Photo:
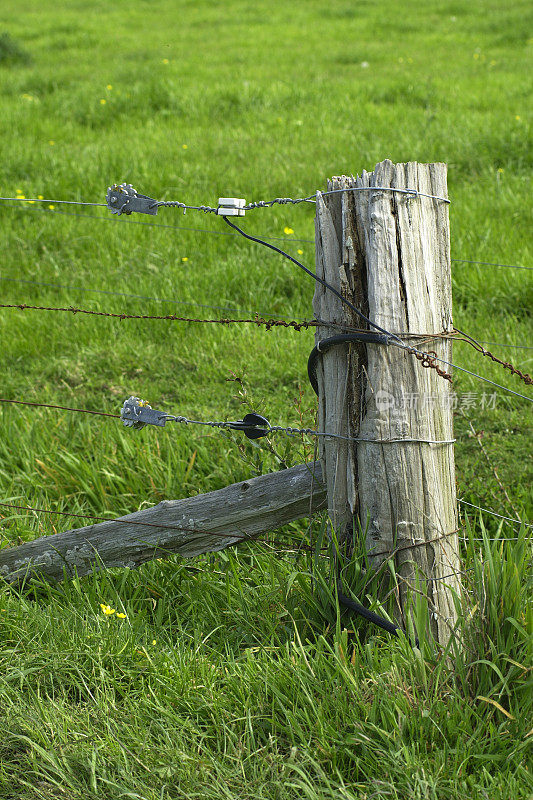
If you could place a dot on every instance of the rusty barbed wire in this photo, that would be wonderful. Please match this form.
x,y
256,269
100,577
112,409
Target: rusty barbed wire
x,y
428,359
258,320
524,376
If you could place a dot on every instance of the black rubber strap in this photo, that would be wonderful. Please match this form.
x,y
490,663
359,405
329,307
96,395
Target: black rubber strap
x,y
343,338
381,622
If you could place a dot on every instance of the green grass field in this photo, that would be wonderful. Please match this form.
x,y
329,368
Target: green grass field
x,y
234,676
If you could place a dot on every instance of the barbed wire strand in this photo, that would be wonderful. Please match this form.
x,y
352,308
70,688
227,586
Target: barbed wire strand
x,y
267,323
425,357
263,314
527,379
475,375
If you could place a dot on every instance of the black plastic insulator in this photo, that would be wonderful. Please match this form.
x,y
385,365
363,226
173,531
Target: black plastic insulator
x,y
252,425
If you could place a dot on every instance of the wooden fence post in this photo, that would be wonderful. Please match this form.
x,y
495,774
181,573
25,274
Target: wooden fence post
x,y
388,253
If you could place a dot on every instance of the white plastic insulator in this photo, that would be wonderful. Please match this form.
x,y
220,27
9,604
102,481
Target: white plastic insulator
x,y
231,207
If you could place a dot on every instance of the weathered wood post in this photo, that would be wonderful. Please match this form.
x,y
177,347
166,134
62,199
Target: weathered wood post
x,y
389,254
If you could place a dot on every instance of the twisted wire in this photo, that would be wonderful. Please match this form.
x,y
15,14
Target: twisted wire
x,y
267,323
524,376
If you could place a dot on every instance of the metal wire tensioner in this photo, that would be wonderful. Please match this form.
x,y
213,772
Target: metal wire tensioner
x,y
137,413
122,198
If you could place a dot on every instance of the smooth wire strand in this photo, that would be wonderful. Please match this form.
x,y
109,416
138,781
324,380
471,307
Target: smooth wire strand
x,y
62,408
53,202
199,531
488,264
225,425
295,201
412,192
114,218
146,297
245,538
306,432
123,221
494,514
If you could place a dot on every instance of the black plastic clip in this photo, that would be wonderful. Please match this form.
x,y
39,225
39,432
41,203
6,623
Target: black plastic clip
x,y
253,426
123,199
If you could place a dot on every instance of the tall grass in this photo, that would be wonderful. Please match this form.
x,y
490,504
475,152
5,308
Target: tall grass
x,y
237,677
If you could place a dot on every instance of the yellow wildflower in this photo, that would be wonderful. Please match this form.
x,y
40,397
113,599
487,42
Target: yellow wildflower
x,y
21,196
40,197
51,142
287,230
103,101
51,207
165,61
107,609
517,116
121,616
185,146
300,252
154,642
108,87
185,258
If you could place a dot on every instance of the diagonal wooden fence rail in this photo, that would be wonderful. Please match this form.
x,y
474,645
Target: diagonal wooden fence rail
x,y
202,524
